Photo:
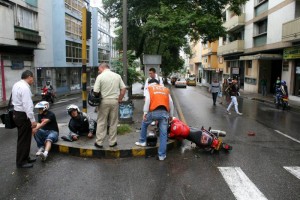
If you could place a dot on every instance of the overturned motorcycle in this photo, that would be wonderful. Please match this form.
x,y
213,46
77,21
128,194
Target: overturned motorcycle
x,y
208,140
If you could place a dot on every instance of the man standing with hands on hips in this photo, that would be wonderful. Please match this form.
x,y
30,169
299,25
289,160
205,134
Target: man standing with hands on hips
x,y
24,118
158,106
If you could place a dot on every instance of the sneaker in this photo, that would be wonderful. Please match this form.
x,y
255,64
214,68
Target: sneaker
x,y
141,144
239,113
228,112
161,158
40,151
153,123
43,156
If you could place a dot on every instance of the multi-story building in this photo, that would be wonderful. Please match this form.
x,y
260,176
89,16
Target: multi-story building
x,y
195,61
262,43
45,37
60,61
20,35
211,63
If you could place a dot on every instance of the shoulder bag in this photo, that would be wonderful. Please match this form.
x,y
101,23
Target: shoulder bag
x,y
7,117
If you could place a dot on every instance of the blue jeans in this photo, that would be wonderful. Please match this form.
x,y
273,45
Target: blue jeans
x,y
42,136
162,117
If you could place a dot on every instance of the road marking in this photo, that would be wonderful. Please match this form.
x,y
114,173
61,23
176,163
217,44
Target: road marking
x,y
240,185
295,170
285,135
65,100
178,108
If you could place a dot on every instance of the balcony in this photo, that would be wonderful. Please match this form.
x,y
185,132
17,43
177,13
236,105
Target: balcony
x,y
236,46
291,31
27,35
235,23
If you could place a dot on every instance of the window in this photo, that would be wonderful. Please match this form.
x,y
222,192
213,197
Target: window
x,y
103,40
73,27
261,7
74,51
25,18
262,26
74,5
260,33
103,23
103,56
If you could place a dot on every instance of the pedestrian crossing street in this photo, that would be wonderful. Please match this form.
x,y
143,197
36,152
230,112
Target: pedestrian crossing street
x,y
242,187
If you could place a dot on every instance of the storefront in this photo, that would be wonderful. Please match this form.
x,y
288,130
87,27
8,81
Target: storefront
x,y
292,57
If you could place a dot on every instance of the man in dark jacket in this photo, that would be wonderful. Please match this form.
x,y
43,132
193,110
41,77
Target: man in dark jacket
x,y
80,124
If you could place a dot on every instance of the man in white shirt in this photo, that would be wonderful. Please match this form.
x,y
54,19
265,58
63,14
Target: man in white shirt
x,y
152,74
24,118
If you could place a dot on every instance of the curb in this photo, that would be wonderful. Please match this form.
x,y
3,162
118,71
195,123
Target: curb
x,y
112,152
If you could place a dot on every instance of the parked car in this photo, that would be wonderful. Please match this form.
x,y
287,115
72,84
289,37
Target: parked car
x,y
181,82
191,81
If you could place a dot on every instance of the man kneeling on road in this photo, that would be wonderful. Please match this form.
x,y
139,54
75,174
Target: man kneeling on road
x,y
158,106
46,132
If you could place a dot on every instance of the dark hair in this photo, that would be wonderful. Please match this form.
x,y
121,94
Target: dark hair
x,y
153,80
152,70
26,74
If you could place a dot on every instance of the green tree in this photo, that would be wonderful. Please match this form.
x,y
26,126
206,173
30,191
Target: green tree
x,y
161,26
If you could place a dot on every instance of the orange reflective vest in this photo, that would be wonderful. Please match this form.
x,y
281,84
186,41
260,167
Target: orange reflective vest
x,y
159,96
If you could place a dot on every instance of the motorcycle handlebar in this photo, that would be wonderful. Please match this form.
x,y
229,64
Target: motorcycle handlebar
x,y
218,133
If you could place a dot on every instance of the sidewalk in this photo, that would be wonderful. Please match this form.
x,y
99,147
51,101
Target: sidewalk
x,y
125,148
294,102
126,143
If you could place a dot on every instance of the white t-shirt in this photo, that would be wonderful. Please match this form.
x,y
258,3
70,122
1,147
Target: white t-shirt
x,y
160,80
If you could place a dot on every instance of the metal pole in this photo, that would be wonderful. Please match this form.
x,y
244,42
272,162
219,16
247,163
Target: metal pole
x,y
83,53
125,41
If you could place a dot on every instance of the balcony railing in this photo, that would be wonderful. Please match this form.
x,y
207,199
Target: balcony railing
x,y
27,35
291,31
236,46
235,22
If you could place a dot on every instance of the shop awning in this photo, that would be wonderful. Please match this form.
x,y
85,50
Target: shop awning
x,y
262,57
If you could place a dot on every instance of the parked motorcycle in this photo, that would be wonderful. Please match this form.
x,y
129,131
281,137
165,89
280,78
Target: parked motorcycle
x,y
47,95
283,101
208,140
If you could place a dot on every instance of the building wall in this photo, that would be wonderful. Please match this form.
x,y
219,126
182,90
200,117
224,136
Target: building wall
x,y
7,36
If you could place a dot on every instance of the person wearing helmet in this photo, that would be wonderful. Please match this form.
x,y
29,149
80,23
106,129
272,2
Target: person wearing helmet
x,y
283,88
80,124
46,132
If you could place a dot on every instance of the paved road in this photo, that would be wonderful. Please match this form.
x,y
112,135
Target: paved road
x,y
264,166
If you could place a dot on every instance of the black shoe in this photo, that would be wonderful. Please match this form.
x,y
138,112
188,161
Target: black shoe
x,y
67,138
115,144
31,160
97,145
27,165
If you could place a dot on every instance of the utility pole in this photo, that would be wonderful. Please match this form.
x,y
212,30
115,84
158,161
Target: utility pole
x,y
125,41
85,34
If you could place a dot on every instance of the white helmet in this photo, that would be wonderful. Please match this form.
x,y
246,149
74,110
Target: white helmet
x,y
43,105
72,107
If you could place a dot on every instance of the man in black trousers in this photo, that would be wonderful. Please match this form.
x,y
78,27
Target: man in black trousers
x,y
24,118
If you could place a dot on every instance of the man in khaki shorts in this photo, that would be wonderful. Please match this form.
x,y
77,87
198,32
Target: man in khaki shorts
x,y
112,89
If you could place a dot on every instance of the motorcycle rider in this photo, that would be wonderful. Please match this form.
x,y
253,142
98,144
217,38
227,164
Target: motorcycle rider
x,y
46,132
277,88
80,124
49,89
284,88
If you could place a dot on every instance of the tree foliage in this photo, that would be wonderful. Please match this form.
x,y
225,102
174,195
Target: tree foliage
x,y
161,26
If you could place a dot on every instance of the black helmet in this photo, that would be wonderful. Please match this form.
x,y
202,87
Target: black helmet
x,y
151,139
93,100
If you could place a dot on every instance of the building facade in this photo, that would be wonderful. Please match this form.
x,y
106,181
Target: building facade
x,y
45,37
261,43
20,35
